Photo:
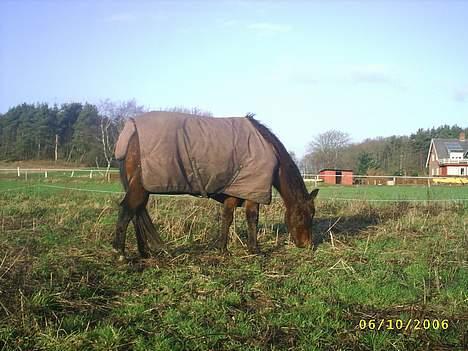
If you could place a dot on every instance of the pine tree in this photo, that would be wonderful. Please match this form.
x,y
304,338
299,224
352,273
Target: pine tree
x,y
86,136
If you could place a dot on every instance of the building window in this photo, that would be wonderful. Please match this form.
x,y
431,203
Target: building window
x,y
433,157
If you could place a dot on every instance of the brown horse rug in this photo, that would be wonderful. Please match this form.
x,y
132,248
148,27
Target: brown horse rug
x,y
186,154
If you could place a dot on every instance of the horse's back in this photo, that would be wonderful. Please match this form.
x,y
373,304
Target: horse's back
x,y
182,153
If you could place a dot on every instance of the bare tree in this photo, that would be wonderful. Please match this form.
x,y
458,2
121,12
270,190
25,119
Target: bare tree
x,y
112,116
307,165
325,150
193,111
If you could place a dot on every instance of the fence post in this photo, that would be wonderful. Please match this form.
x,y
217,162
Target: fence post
x,y
45,174
72,173
18,171
91,174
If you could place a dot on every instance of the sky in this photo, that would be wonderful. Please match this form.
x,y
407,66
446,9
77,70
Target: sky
x,y
368,68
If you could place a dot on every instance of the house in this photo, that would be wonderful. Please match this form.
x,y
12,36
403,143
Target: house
x,y
448,157
336,176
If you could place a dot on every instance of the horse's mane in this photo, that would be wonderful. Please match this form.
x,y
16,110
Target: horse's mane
x,y
292,173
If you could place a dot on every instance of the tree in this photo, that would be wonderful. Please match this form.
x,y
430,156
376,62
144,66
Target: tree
x,y
326,148
294,157
24,136
86,135
193,111
365,163
112,116
66,119
45,129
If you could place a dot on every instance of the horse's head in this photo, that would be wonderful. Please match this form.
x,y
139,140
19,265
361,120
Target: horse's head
x,y
299,218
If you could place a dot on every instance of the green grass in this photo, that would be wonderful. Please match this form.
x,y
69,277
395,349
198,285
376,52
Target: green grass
x,y
61,288
398,193
56,182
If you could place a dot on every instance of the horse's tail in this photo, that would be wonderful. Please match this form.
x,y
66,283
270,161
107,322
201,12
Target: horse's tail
x,y
123,175
123,140
121,148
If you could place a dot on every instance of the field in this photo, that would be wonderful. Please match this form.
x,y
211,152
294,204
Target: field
x,y
388,275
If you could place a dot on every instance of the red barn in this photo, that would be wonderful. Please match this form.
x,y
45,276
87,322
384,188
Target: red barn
x,y
337,176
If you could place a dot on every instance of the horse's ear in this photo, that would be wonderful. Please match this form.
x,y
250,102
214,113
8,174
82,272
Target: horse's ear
x,y
313,194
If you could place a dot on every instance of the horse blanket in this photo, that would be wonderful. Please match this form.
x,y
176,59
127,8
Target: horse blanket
x,y
187,154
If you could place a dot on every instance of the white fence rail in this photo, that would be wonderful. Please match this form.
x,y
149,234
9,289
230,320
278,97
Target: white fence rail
x,y
72,172
308,177
100,174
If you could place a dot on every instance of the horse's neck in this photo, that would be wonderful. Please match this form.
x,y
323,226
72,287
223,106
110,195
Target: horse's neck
x,y
290,192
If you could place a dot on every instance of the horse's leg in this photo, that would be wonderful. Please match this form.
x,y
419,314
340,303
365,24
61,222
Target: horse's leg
x,y
251,213
134,201
125,215
133,207
230,204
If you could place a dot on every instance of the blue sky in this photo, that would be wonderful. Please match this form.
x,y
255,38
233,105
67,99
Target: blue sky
x,y
369,68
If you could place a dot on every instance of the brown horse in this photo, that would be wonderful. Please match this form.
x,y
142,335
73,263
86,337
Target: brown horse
x,y
286,178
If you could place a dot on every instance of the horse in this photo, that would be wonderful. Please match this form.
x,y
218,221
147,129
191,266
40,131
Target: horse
x,y
283,176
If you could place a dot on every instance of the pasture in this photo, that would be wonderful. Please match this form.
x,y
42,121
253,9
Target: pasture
x,y
61,288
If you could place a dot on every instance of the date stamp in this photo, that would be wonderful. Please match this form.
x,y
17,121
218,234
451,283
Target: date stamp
x,y
403,325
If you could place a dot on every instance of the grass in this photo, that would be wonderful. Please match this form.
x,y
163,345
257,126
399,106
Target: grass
x,y
397,193
62,289
58,180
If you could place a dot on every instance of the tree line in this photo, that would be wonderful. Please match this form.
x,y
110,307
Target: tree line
x,y
394,155
86,134
72,132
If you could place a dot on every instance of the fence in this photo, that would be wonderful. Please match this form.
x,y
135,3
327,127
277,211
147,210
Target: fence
x,y
27,173
390,180
106,181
